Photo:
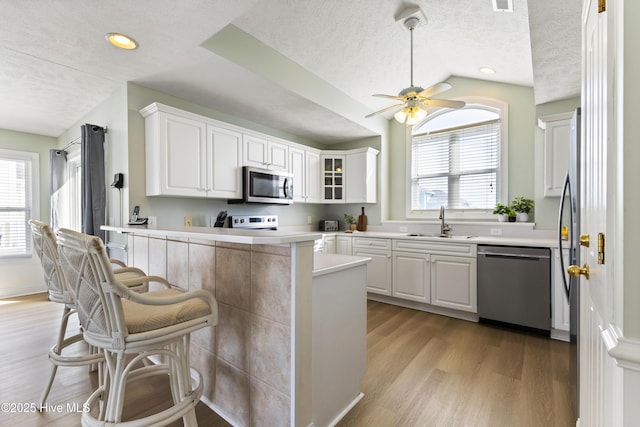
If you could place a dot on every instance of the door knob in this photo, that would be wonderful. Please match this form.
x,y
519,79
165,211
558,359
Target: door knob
x,y
576,271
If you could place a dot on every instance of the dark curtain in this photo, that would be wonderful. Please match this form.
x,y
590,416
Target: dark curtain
x,y
93,180
58,177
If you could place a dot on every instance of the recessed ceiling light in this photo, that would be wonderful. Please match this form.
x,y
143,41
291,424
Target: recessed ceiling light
x,y
487,70
122,41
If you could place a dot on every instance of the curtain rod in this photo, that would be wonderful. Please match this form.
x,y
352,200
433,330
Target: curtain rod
x,y
77,140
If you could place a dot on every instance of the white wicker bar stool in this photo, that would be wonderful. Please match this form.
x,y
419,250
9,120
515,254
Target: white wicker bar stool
x,y
130,327
45,245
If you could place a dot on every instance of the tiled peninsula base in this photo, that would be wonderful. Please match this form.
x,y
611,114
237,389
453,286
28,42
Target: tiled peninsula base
x,y
256,363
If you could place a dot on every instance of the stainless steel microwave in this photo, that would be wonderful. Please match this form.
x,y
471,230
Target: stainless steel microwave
x,y
266,186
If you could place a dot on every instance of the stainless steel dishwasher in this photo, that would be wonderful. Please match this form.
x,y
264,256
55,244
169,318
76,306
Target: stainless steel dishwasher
x,y
514,286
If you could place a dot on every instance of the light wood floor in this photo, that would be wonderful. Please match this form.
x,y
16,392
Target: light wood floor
x,y
429,370
422,370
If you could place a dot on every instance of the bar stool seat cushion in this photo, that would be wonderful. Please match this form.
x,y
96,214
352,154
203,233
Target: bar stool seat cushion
x,y
142,317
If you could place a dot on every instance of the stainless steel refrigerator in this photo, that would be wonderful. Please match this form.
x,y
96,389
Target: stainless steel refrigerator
x,y
569,242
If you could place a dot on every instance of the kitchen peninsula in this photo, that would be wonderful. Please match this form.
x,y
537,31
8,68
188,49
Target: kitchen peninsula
x,y
268,359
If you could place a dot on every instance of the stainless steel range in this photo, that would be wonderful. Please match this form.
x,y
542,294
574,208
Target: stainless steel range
x,y
255,222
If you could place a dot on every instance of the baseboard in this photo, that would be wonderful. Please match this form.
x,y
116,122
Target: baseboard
x,y
463,315
215,408
560,335
346,410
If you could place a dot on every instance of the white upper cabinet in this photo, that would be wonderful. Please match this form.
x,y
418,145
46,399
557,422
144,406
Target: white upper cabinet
x,y
332,177
189,156
176,155
224,157
312,173
266,154
557,134
297,168
350,176
361,176
304,164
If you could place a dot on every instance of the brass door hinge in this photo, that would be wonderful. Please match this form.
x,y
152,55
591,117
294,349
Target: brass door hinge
x,y
602,6
600,248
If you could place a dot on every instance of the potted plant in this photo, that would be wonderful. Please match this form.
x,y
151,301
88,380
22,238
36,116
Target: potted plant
x,y
522,206
502,211
350,222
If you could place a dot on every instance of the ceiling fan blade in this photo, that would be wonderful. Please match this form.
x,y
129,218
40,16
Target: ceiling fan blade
x,y
447,103
380,95
384,110
435,89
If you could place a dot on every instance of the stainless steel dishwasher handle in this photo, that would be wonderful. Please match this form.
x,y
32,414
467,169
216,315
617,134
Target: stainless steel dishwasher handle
x,y
501,255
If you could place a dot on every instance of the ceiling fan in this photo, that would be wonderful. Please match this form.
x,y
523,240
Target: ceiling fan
x,y
415,99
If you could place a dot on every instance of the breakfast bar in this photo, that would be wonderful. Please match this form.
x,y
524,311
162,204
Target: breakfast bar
x,y
268,359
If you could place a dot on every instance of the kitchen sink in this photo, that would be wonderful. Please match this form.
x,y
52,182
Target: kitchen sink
x,y
440,236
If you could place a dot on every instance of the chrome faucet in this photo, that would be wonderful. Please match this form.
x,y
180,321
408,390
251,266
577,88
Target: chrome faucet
x,y
444,227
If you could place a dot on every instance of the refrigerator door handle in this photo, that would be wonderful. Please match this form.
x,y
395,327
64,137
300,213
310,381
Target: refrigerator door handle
x,y
567,186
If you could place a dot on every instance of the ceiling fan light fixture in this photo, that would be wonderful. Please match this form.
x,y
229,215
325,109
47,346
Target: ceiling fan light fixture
x,y
121,41
410,115
414,100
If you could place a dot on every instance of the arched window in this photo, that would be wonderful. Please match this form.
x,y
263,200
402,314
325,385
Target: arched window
x,y
456,160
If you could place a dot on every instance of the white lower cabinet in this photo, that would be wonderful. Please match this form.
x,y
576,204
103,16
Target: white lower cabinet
x,y
343,245
453,282
329,244
411,276
378,270
437,273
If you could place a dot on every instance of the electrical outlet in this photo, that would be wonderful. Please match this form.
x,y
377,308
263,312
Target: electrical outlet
x,y
403,229
496,231
151,220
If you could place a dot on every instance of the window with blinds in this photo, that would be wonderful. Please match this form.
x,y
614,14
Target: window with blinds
x,y
16,203
457,167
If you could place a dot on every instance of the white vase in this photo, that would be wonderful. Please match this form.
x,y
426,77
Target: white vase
x,y
503,218
522,217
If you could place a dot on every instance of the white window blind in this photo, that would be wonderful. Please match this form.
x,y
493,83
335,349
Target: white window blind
x,y
456,168
16,204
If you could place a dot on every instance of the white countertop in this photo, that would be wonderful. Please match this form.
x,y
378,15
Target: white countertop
x,y
275,237
478,240
231,235
330,263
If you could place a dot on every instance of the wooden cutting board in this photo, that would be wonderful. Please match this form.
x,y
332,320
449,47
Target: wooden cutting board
x,y
362,222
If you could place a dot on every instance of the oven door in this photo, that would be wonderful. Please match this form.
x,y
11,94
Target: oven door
x,y
265,186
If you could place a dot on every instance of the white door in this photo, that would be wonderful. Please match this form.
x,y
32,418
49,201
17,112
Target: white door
x,y
600,390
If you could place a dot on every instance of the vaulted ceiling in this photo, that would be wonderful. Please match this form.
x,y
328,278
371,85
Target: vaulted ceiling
x,y
307,67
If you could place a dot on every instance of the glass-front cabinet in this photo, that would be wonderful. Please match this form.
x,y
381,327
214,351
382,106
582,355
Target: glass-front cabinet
x,y
333,179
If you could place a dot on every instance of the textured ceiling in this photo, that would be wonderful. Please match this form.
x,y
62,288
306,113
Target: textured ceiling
x,y
55,66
